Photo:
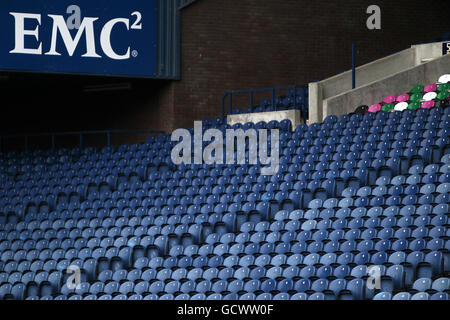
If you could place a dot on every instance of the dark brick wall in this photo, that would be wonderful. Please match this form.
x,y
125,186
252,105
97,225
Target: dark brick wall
x,y
33,103
230,44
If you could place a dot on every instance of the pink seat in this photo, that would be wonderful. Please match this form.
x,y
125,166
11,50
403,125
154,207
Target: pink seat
x,y
375,108
432,87
390,99
428,104
403,98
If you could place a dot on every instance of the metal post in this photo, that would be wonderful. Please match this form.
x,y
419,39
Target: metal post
x,y
353,67
53,142
304,109
295,97
81,141
223,108
273,99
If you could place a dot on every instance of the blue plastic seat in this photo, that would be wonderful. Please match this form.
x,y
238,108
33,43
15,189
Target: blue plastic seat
x,y
422,284
308,272
441,284
317,296
440,296
421,296
302,285
264,296
342,271
383,296
319,285
435,263
356,287
402,296
346,258
299,296
397,274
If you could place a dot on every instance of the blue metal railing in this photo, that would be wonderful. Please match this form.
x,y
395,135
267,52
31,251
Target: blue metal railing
x,y
81,135
353,66
252,92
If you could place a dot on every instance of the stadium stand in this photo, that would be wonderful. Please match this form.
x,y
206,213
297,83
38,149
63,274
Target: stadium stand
x,y
419,97
352,192
288,101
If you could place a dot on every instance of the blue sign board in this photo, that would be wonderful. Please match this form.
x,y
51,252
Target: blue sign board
x,y
98,37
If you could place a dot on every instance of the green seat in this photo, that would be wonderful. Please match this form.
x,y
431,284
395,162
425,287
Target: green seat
x,y
417,89
416,97
388,107
444,87
443,95
414,105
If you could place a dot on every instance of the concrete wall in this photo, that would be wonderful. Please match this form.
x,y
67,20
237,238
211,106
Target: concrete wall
x,y
426,52
396,84
366,74
293,115
320,91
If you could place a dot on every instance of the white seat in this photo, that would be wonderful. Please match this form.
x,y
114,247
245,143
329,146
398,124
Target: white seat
x,y
430,96
401,106
444,78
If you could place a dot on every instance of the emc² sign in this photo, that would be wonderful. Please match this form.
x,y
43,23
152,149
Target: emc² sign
x,y
104,37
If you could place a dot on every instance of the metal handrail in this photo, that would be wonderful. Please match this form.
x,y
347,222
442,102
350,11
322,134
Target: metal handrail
x,y
252,92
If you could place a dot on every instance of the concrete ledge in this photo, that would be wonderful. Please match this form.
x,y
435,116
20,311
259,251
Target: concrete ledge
x,y
293,115
396,84
367,74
